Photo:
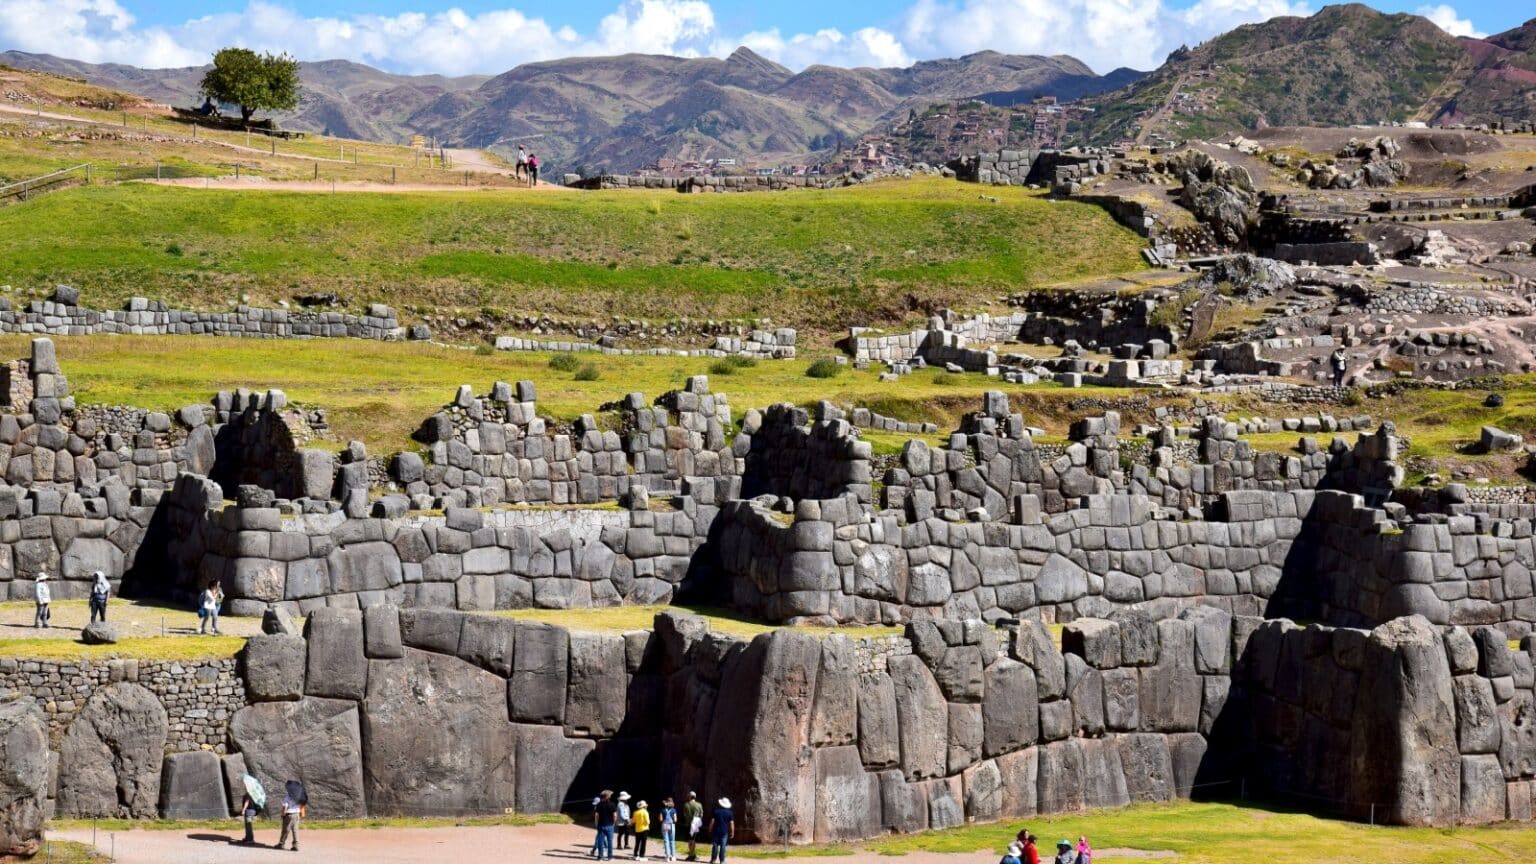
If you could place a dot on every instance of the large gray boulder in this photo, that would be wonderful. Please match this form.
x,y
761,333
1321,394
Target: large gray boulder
x,y
879,741
552,770
274,667
192,786
536,690
847,797
594,701
436,739
109,761
1403,750
314,741
99,633
1010,709
834,717
23,775
759,741
922,718
337,667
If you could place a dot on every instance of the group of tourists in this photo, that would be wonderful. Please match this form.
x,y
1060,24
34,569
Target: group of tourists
x,y
1025,850
295,808
101,589
527,166
618,823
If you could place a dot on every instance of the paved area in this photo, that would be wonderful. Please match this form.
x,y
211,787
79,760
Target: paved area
x,y
133,619
456,845
403,846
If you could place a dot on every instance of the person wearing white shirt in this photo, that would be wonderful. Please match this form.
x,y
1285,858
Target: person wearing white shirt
x,y
44,597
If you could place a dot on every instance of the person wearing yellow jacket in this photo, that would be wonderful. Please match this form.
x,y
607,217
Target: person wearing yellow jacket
x,y
641,820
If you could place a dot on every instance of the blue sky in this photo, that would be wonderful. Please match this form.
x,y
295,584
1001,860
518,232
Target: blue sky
x,y
490,36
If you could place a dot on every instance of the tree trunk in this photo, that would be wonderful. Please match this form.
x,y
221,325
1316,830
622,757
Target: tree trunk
x,y
245,113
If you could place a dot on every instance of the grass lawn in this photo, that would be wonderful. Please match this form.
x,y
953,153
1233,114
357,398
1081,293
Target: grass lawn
x,y
380,392
1221,833
822,259
145,648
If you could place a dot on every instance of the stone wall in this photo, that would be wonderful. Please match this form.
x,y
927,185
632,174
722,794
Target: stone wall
x,y
757,344
63,316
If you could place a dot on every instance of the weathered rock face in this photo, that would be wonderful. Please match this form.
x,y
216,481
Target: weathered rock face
x,y
109,762
23,775
315,741
192,786
1405,728
436,738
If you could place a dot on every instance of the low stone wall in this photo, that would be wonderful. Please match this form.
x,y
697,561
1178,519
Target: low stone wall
x,y
710,183
62,316
757,344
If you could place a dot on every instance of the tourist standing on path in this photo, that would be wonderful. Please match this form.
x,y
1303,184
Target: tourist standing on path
x,y
1065,853
295,808
1084,851
248,813
1339,360
100,589
693,812
641,821
624,823
208,607
668,830
1031,849
522,162
1012,855
533,169
603,817
722,830
44,597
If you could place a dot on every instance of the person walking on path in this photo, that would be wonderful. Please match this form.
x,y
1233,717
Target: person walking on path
x,y
1031,849
1064,853
533,170
522,162
693,813
1084,850
295,808
100,589
208,607
624,825
603,817
641,822
722,830
668,817
1012,856
43,596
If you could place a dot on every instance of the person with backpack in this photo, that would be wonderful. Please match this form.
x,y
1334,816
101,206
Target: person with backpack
x,y
533,170
100,589
43,597
295,808
208,607
668,830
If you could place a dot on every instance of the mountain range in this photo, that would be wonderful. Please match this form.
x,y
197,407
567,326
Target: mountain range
x,y
619,113
1346,64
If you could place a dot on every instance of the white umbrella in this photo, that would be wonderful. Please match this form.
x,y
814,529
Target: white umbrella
x,y
253,789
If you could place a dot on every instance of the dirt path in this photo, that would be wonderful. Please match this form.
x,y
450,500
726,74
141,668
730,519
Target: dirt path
x,y
460,845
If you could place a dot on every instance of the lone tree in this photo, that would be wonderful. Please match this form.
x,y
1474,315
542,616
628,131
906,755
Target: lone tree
x,y
255,82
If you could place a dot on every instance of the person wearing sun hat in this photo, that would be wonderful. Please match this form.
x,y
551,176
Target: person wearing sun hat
x,y
43,597
1013,853
1065,853
722,830
625,828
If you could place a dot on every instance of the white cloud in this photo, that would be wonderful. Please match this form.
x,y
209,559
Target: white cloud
x,y
1448,19
1103,33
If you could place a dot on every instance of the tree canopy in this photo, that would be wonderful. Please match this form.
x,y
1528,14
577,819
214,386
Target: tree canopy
x,y
255,82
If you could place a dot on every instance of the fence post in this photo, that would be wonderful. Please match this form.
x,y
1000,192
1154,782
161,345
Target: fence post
x,y
157,170
317,169
274,146
125,118
391,175
87,173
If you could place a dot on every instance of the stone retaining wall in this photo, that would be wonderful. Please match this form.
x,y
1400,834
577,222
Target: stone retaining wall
x,y
62,316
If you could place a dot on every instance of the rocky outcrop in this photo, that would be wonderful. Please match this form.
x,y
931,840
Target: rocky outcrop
x,y
315,741
23,775
109,761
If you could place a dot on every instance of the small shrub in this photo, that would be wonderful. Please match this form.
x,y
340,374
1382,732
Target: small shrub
x,y
564,362
739,361
685,231
824,368
484,349
1353,399
653,207
587,373
946,379
174,249
722,367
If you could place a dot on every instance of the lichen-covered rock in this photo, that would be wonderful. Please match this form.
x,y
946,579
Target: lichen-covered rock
x,y
23,775
109,761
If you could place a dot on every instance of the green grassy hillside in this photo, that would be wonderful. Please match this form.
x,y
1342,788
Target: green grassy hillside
x,y
814,258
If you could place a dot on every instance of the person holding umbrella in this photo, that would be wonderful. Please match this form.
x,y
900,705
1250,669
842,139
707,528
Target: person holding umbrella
x,y
250,805
295,808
